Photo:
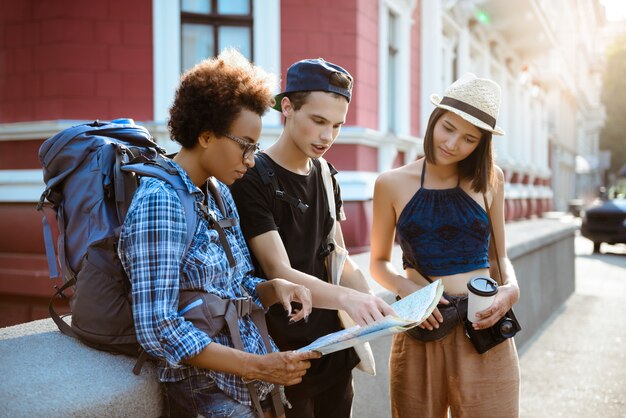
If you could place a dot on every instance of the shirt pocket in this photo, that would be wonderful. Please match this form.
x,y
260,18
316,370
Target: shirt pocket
x,y
205,265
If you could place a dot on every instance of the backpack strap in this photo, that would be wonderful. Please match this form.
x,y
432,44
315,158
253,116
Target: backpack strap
x,y
238,308
493,238
213,315
331,243
163,171
124,185
63,326
268,176
48,240
226,222
218,225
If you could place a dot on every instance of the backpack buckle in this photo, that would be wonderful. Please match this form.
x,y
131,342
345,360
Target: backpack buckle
x,y
302,206
243,306
204,210
42,200
60,292
326,250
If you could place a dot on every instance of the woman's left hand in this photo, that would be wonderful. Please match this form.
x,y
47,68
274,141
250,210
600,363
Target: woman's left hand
x,y
505,299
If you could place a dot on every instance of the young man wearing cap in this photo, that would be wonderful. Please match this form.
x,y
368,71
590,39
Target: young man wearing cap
x,y
286,222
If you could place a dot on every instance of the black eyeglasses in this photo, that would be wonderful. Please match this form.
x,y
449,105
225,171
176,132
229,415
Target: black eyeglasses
x,y
248,148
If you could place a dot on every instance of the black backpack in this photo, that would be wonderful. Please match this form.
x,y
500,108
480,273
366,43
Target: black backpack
x,y
268,176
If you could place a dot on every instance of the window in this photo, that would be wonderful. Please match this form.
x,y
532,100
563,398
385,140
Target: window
x,y
395,26
208,26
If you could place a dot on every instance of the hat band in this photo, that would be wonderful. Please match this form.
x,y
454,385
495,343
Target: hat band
x,y
470,110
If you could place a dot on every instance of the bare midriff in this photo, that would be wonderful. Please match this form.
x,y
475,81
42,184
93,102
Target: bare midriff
x,y
455,284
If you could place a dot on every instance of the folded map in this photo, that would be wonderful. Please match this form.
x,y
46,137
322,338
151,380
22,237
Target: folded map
x,y
411,311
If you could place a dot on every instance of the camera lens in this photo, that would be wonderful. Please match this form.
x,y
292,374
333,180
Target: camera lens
x,y
507,330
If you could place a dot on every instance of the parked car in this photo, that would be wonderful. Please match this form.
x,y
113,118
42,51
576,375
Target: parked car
x,y
605,220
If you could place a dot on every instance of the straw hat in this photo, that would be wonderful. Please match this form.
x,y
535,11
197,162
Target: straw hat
x,y
477,100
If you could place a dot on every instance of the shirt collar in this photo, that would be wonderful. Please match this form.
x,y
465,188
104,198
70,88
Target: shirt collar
x,y
191,187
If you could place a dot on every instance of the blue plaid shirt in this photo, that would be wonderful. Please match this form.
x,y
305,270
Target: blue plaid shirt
x,y
152,250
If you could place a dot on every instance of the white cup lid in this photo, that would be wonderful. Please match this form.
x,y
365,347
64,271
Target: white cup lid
x,y
482,286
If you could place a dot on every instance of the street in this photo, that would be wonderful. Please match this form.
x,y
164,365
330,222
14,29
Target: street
x,y
576,366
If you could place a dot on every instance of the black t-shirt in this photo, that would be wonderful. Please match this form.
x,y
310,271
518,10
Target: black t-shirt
x,y
304,236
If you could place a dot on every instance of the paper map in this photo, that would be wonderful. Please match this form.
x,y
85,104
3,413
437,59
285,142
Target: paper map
x,y
412,311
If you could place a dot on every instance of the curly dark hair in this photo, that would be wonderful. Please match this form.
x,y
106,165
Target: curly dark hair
x,y
212,94
477,167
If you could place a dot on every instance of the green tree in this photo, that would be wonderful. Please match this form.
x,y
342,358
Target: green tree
x,y
613,134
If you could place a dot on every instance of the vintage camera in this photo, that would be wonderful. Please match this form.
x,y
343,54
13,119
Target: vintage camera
x,y
506,327
488,338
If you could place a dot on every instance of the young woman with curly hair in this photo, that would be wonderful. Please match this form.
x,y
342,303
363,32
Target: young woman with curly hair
x,y
216,117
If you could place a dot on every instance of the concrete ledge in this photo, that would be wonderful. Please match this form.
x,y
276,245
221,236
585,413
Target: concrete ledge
x,y
527,236
45,373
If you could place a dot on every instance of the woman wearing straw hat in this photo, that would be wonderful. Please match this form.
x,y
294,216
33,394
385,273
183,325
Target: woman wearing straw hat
x,y
436,206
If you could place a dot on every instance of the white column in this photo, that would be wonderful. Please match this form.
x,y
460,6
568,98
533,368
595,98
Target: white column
x,y
403,94
545,144
383,57
526,131
166,55
447,58
536,151
387,153
501,143
266,35
463,52
431,56
514,137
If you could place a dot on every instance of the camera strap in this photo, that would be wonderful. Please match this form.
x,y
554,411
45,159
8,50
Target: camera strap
x,y
493,239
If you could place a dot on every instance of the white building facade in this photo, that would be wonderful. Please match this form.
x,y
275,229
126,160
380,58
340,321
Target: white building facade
x,y
542,55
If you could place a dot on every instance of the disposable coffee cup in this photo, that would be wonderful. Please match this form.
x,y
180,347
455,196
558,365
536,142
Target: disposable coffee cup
x,y
482,292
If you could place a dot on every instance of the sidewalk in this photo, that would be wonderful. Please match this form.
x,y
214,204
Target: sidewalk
x,y
576,365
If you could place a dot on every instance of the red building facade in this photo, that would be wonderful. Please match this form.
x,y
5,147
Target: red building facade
x,y
68,61
60,61
64,62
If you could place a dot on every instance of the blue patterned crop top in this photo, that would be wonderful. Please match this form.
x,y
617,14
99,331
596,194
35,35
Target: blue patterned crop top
x,y
443,232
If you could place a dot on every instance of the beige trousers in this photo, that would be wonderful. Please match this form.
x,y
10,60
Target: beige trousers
x,y
427,379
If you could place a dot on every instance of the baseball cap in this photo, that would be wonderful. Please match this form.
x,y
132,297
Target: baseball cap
x,y
313,75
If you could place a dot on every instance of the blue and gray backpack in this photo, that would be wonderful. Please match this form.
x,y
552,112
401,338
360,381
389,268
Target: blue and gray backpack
x,y
91,172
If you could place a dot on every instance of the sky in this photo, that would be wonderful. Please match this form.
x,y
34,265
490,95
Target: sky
x,y
615,9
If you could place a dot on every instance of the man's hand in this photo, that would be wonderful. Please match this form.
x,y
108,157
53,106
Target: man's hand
x,y
364,308
282,368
